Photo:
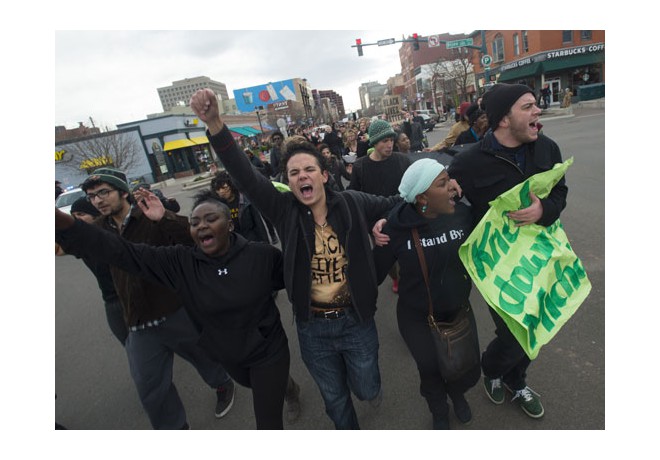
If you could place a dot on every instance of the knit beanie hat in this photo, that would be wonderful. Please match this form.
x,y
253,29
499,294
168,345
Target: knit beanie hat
x,y
83,205
499,99
379,130
418,178
473,112
111,176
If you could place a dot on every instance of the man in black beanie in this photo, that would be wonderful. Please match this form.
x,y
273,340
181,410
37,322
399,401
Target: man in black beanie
x,y
511,151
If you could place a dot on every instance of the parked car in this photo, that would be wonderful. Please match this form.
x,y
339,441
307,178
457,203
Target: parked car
x,y
429,123
437,118
66,199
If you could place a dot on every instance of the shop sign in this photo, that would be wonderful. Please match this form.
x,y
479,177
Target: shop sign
x,y
554,54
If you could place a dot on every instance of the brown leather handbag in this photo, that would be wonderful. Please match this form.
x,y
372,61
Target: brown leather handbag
x,y
456,342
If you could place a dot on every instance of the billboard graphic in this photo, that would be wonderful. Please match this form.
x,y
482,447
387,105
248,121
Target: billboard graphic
x,y
249,98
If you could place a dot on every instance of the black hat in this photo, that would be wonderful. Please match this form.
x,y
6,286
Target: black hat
x,y
499,99
473,113
111,176
83,205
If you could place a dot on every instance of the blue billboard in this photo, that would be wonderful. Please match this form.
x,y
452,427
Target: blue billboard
x,y
249,98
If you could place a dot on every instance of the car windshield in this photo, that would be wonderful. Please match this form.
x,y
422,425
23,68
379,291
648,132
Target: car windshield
x,y
67,199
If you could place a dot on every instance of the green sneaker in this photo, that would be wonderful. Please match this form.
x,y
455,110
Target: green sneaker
x,y
494,389
530,402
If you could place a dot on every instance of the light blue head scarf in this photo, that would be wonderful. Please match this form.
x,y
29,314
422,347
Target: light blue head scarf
x,y
418,178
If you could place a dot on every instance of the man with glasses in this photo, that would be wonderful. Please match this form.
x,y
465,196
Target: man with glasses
x,y
158,326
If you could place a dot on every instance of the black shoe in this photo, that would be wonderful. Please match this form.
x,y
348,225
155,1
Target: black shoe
x,y
440,423
225,399
292,399
462,409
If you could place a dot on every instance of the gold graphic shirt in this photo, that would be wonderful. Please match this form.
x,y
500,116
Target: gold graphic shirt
x,y
329,264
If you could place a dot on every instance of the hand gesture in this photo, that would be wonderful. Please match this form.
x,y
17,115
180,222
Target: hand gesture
x,y
528,215
205,105
150,204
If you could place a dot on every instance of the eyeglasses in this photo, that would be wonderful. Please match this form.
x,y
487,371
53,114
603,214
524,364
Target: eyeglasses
x,y
100,194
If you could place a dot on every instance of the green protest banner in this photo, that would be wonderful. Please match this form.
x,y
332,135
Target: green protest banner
x,y
529,275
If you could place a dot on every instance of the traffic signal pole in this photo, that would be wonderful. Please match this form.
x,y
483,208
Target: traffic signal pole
x,y
415,40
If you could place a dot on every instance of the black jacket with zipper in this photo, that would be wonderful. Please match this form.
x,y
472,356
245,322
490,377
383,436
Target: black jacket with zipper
x,y
485,173
351,214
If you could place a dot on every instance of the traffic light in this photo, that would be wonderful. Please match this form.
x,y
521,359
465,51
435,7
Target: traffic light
x,y
358,42
415,42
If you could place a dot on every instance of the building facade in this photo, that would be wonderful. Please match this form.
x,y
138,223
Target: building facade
x,y
180,92
418,92
335,99
563,59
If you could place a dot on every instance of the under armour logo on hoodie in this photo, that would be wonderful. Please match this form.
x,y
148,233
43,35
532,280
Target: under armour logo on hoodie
x,y
222,271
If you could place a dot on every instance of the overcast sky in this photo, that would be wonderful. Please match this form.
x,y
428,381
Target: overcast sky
x,y
113,76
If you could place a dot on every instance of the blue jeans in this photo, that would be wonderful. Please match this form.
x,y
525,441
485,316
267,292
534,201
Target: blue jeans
x,y
342,356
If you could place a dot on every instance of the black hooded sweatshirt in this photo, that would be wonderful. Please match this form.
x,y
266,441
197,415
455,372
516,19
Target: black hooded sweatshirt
x,y
441,237
228,297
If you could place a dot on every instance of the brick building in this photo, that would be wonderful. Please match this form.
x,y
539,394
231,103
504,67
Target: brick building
x,y
562,59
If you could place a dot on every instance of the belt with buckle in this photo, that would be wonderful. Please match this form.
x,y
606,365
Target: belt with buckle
x,y
334,313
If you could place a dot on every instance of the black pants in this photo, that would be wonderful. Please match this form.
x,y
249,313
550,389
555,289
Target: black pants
x,y
268,383
504,357
417,334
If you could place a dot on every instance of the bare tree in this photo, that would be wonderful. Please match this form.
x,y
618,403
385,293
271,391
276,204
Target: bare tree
x,y
455,72
115,149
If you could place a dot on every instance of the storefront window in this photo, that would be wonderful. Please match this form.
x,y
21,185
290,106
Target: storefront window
x,y
587,75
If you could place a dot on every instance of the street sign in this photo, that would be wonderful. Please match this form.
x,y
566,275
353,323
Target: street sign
x,y
434,40
486,60
458,43
388,41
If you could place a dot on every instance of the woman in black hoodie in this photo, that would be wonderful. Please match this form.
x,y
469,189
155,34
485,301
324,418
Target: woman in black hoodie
x,y
443,225
227,283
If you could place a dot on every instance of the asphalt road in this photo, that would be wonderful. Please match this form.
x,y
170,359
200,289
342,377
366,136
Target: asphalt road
x,y
95,391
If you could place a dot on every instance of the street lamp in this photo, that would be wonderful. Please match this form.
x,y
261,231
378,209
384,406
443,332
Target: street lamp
x,y
260,107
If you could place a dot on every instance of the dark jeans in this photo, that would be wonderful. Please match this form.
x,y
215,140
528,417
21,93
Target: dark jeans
x,y
114,313
150,354
342,356
417,334
504,357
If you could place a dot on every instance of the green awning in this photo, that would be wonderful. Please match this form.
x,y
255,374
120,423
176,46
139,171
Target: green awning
x,y
521,72
579,60
241,131
251,130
